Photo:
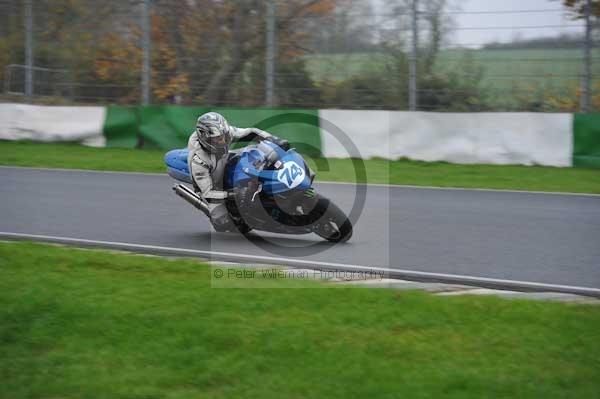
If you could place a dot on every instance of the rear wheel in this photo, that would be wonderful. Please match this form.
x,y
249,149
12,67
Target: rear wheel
x,y
333,224
243,228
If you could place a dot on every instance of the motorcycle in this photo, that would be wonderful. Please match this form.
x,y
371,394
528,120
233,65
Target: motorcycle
x,y
288,201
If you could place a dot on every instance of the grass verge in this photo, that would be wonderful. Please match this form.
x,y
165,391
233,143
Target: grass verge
x,y
439,174
93,324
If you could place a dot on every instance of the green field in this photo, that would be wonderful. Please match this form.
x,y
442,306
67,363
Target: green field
x,y
505,72
501,67
93,324
439,174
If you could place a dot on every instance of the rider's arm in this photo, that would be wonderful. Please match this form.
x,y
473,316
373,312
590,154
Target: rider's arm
x,y
251,133
201,173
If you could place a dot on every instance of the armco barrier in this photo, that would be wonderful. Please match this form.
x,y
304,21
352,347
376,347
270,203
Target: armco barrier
x,y
52,123
586,140
494,138
120,126
170,126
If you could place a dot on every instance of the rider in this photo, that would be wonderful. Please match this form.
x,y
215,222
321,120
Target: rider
x,y
208,147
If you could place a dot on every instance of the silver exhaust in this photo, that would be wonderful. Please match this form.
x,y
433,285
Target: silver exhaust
x,y
187,194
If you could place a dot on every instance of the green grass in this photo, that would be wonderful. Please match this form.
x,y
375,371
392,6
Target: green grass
x,y
502,68
338,67
507,74
20,153
558,69
416,173
442,174
92,324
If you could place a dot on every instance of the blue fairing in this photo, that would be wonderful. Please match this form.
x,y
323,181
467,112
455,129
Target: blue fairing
x,y
177,166
292,173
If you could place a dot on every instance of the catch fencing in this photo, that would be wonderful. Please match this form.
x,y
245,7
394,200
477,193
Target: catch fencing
x,y
395,55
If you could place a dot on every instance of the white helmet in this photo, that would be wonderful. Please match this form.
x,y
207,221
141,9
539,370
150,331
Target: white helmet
x,y
213,132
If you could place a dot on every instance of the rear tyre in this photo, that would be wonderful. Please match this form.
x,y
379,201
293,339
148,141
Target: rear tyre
x,y
243,228
333,224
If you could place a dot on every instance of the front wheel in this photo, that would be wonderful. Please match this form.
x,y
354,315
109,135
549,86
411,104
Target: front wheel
x,y
333,224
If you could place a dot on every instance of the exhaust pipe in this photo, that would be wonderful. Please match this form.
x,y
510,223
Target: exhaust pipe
x,y
191,197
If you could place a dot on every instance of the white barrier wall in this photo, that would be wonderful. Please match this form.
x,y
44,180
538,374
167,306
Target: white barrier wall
x,y
52,123
368,130
494,138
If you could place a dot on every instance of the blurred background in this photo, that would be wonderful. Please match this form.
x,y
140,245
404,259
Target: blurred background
x,y
431,55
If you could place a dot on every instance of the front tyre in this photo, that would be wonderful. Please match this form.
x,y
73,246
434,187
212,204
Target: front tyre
x,y
333,224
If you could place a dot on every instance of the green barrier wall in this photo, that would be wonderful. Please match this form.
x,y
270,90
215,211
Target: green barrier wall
x,y
300,127
120,126
586,140
169,127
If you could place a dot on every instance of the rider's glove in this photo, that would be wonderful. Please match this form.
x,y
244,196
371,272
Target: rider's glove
x,y
283,143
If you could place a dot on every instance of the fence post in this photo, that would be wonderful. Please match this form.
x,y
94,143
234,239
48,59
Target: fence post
x,y
270,55
146,47
28,49
412,82
586,81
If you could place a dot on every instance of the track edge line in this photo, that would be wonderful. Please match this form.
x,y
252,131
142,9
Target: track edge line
x,y
483,282
493,190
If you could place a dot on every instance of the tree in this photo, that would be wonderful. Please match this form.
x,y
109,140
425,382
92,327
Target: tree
x,y
440,25
212,52
578,7
202,50
244,43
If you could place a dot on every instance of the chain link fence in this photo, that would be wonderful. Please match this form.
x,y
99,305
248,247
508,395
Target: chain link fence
x,y
430,55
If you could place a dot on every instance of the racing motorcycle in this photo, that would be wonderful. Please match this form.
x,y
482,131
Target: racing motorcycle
x,y
284,189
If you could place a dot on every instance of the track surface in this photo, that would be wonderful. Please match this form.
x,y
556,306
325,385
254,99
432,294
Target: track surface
x,y
545,238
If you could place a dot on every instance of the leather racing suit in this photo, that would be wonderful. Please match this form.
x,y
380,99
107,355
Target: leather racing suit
x,y
208,170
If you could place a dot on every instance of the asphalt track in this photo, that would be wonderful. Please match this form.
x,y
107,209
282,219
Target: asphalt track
x,y
527,237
